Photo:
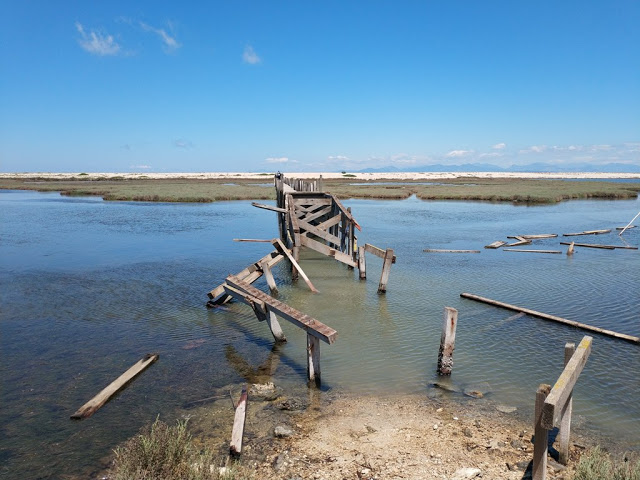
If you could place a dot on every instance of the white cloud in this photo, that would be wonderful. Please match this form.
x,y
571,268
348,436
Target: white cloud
x,y
499,146
279,160
250,56
183,143
534,149
459,153
170,43
338,157
96,42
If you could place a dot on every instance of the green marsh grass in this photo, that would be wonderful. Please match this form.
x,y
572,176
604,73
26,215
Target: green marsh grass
x,y
598,465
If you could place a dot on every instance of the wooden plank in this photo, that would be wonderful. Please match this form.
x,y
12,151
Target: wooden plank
x,y
496,244
378,252
521,241
597,245
305,201
235,448
280,246
447,341
439,250
114,387
338,203
535,236
564,433
625,228
529,251
253,240
386,270
266,271
362,263
554,318
597,232
307,323
329,223
315,215
554,403
269,207
541,436
320,233
246,299
326,250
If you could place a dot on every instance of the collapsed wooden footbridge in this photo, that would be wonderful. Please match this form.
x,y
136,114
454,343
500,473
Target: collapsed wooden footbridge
x,y
307,218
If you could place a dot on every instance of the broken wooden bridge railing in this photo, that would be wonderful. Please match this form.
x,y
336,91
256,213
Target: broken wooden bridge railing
x,y
553,407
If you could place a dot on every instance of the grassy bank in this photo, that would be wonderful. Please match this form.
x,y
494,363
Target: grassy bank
x,y
525,191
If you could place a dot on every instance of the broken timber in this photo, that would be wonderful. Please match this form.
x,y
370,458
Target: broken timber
x,y
114,387
439,250
545,316
595,245
235,448
529,251
496,244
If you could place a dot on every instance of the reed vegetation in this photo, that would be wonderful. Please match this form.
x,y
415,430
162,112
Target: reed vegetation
x,y
524,191
598,465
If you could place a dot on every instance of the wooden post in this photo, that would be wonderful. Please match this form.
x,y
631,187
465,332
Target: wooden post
x,y
447,341
320,184
386,269
235,448
114,387
565,419
294,263
274,326
362,264
540,446
570,249
313,359
269,276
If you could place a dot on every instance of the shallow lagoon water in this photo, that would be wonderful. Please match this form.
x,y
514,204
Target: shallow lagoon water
x,y
89,287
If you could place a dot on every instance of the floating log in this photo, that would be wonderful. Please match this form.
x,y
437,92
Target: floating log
x,y
496,244
438,250
545,316
536,236
625,228
586,232
529,251
114,387
596,245
235,447
269,207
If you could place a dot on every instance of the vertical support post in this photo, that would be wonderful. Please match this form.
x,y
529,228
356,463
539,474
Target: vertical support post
x,y
362,264
540,447
570,249
565,419
313,359
352,244
274,326
386,269
320,184
447,341
269,276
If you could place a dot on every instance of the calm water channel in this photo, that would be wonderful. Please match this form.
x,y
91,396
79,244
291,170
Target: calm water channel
x,y
88,287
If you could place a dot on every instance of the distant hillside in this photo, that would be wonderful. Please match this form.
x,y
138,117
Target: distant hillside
x,y
531,167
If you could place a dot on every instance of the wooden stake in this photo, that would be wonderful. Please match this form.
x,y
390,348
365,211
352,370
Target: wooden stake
x,y
103,397
313,359
541,444
274,326
565,420
386,269
570,249
280,247
235,448
621,336
447,341
362,263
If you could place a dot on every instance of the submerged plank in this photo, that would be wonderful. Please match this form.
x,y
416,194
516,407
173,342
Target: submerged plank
x,y
269,207
545,316
114,387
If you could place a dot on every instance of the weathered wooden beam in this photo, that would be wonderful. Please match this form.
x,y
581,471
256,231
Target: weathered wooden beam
x,y
362,263
554,404
378,252
114,387
564,433
304,321
329,223
496,244
521,241
386,270
281,248
269,207
622,229
545,316
252,240
597,245
319,233
309,217
235,447
327,250
534,236
338,203
541,436
266,271
521,250
306,201
586,232
447,341
439,250
313,360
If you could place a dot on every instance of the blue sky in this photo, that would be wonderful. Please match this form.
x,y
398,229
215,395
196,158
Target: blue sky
x,y
153,86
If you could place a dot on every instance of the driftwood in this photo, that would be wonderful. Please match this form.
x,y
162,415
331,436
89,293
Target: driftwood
x,y
496,244
114,387
529,251
536,236
438,250
596,245
235,448
545,316
586,232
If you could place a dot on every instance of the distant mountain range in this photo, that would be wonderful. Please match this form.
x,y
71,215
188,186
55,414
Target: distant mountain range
x,y
531,167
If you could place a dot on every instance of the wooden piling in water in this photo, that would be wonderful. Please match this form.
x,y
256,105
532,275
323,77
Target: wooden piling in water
x,y
447,341
386,270
545,316
362,263
114,387
541,436
313,360
268,275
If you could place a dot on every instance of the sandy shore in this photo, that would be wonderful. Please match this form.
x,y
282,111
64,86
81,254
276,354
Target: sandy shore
x,y
358,176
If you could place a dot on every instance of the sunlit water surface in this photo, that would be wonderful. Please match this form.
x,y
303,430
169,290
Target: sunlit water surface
x,y
88,287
